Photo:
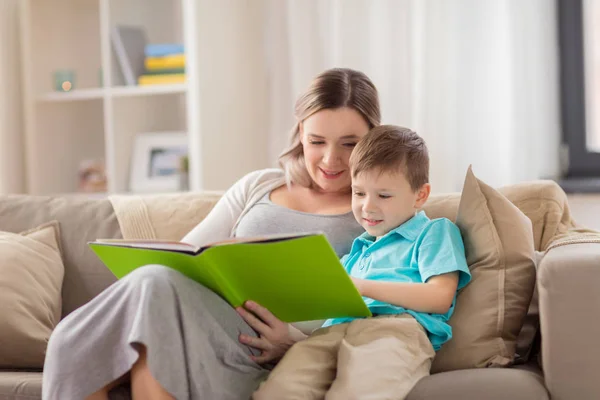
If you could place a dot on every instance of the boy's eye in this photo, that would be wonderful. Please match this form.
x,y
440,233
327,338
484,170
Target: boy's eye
x,y
358,194
384,196
316,142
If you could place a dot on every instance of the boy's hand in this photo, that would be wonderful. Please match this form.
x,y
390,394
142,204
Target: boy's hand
x,y
360,284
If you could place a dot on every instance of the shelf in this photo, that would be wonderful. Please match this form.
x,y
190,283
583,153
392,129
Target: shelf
x,y
123,91
75,95
128,91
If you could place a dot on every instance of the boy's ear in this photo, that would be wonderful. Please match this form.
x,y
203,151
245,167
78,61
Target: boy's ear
x,y
422,195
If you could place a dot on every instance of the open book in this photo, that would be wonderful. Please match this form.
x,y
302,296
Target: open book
x,y
297,277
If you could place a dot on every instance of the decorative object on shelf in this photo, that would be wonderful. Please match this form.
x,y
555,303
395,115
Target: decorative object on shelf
x,y
64,80
92,176
156,161
184,173
164,64
129,43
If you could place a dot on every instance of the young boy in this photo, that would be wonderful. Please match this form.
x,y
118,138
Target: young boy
x,y
407,267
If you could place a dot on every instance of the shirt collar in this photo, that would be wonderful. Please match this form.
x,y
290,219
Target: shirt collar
x,y
409,230
412,228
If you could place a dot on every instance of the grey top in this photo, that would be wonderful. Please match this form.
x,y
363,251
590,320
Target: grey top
x,y
266,217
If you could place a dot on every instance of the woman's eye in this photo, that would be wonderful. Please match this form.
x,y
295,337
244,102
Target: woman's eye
x,y
316,142
350,145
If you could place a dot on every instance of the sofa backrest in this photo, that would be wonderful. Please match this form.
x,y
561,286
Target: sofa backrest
x,y
84,219
543,202
81,220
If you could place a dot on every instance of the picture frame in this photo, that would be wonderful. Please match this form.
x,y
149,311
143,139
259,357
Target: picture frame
x,y
156,161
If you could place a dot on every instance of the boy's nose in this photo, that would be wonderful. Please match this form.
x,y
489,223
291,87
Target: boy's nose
x,y
368,206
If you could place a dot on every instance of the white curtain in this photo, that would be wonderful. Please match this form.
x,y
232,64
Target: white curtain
x,y
477,79
12,174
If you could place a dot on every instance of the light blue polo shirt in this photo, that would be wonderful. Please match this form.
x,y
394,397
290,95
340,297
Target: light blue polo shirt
x,y
417,250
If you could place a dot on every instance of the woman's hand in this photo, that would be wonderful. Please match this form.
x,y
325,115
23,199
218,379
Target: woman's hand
x,y
275,336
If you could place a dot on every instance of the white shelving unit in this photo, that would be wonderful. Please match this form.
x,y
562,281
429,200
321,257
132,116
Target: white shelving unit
x,y
100,117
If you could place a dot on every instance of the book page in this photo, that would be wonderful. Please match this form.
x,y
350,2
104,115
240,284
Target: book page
x,y
260,239
150,244
188,248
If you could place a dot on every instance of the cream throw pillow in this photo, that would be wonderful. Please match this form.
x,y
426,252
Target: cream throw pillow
x,y
491,309
31,276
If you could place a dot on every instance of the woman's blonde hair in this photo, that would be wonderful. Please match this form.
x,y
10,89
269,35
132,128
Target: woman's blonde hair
x,y
334,88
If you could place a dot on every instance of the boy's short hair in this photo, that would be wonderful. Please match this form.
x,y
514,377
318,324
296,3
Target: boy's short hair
x,y
390,148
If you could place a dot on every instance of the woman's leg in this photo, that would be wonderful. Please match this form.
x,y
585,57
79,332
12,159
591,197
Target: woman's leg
x,y
143,385
102,394
190,335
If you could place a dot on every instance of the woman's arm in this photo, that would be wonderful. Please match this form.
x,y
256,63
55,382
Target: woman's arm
x,y
435,296
219,222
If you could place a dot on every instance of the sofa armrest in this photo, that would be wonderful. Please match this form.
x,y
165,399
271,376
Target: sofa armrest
x,y
569,298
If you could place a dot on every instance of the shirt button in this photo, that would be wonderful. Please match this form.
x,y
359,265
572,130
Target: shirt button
x,y
367,255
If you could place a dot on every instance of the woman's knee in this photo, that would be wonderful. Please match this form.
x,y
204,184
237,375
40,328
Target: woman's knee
x,y
152,273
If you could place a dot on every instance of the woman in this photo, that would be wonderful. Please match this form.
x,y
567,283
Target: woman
x,y
165,336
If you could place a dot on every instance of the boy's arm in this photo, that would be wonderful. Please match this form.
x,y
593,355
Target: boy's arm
x,y
435,296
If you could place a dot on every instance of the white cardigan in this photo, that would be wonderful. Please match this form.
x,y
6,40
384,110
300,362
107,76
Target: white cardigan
x,y
223,219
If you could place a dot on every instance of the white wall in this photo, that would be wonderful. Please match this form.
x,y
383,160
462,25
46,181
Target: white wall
x,y
12,176
233,83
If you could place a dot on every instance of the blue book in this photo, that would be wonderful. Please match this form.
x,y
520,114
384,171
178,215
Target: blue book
x,y
163,49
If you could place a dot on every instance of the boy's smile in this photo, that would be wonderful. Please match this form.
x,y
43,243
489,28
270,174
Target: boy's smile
x,y
382,201
372,222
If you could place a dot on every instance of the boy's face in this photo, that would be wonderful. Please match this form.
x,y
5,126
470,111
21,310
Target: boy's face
x,y
383,201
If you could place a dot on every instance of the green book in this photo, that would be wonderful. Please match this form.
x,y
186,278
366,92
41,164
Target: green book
x,y
296,277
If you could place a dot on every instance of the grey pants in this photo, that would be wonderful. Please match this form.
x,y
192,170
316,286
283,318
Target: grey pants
x,y
191,336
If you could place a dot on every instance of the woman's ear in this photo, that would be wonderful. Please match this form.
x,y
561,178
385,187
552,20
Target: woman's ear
x,y
422,195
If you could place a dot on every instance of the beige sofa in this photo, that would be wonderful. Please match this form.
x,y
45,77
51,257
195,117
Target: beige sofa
x,y
568,279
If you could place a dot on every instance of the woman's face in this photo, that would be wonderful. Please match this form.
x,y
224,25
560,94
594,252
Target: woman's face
x,y
328,137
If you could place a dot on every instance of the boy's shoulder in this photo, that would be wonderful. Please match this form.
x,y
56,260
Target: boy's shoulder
x,y
438,225
422,225
440,231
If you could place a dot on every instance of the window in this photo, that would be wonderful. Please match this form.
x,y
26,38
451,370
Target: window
x,y
579,39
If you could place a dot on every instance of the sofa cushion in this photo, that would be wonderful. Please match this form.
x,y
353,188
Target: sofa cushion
x,y
31,277
490,310
546,205
490,384
82,219
20,385
543,202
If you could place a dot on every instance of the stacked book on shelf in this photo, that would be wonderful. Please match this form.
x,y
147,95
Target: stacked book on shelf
x,y
164,64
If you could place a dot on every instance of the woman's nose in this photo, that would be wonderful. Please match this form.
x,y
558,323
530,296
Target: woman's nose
x,y
331,157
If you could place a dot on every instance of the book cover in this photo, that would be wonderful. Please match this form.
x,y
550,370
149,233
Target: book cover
x,y
164,49
128,44
161,79
168,62
297,277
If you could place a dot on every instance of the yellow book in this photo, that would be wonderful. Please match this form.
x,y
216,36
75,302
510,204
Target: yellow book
x,y
167,62
163,79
